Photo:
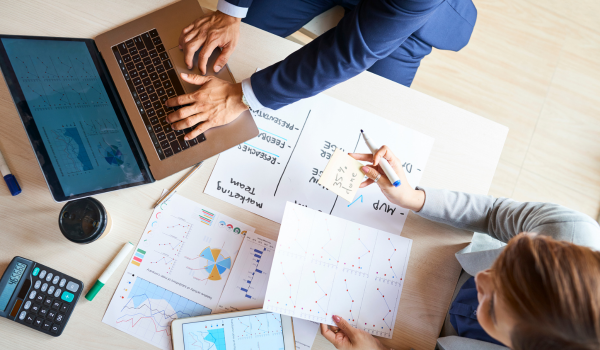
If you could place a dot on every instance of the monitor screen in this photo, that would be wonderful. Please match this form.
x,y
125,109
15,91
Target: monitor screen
x,y
76,118
261,331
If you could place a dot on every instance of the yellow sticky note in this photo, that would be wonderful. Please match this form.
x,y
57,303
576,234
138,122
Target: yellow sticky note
x,y
342,175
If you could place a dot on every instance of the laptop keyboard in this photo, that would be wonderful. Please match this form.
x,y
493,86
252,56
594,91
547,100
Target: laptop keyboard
x,y
152,80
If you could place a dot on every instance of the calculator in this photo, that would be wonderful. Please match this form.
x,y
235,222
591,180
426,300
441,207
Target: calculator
x,y
37,296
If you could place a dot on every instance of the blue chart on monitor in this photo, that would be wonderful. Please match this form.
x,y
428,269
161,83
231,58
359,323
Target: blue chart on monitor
x,y
213,339
150,309
69,150
111,154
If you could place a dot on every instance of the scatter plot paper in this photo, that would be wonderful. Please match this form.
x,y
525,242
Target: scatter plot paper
x,y
325,266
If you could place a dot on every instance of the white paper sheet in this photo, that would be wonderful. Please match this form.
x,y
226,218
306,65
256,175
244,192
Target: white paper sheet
x,y
304,333
325,266
295,143
247,283
178,269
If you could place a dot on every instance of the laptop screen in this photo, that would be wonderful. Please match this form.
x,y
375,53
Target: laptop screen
x,y
77,122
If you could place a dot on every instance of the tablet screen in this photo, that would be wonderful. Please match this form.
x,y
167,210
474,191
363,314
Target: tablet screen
x,y
74,115
261,331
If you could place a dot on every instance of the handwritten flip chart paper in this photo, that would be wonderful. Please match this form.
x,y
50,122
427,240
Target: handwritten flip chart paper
x,y
286,160
342,175
325,266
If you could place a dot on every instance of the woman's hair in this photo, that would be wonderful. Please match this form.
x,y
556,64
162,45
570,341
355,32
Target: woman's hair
x,y
553,289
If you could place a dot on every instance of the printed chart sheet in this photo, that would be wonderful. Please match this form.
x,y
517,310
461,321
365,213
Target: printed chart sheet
x,y
325,266
284,163
247,284
178,269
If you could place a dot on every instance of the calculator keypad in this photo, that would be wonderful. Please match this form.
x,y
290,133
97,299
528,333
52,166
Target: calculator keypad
x,y
50,301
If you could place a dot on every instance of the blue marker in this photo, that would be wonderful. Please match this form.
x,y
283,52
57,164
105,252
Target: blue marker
x,y
387,168
11,180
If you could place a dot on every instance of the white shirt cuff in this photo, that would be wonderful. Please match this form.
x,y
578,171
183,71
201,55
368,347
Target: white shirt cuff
x,y
254,103
232,10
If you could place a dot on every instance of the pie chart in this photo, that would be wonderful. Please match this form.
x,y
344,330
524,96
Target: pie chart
x,y
216,263
112,155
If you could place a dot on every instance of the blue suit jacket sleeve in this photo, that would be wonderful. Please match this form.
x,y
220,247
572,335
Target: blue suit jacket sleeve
x,y
240,3
370,32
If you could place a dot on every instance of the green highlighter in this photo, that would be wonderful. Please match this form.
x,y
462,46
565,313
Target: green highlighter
x,y
123,253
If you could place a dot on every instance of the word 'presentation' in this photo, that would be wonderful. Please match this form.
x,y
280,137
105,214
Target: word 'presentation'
x,y
325,266
179,269
287,159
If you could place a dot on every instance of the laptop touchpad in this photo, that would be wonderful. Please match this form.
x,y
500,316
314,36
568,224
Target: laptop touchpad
x,y
177,58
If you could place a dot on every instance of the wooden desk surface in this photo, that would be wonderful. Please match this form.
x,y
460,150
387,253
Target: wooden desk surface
x,y
465,154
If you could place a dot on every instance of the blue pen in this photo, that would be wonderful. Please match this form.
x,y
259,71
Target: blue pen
x,y
387,168
11,180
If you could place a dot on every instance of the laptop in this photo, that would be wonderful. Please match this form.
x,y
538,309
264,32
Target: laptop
x,y
94,111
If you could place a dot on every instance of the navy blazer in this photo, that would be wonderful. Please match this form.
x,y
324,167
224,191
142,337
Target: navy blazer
x,y
368,33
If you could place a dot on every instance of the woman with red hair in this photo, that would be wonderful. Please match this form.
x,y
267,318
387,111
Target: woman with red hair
x,y
540,291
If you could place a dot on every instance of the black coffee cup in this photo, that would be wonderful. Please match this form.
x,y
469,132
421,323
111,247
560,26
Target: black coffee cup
x,y
84,220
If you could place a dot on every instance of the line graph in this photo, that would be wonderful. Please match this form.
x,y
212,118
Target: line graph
x,y
35,94
387,305
382,314
209,339
170,245
394,263
326,236
351,302
64,67
300,243
94,94
57,94
178,228
324,295
45,67
357,248
148,310
83,67
24,68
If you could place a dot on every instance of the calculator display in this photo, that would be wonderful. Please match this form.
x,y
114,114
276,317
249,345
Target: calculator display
x,y
10,287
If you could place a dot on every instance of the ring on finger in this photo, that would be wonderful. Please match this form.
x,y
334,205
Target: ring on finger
x,y
377,178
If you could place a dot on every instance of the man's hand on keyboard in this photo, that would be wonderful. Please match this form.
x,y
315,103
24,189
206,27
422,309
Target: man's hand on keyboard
x,y
216,103
210,32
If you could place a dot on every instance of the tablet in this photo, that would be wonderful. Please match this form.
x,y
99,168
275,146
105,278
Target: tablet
x,y
253,329
73,117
